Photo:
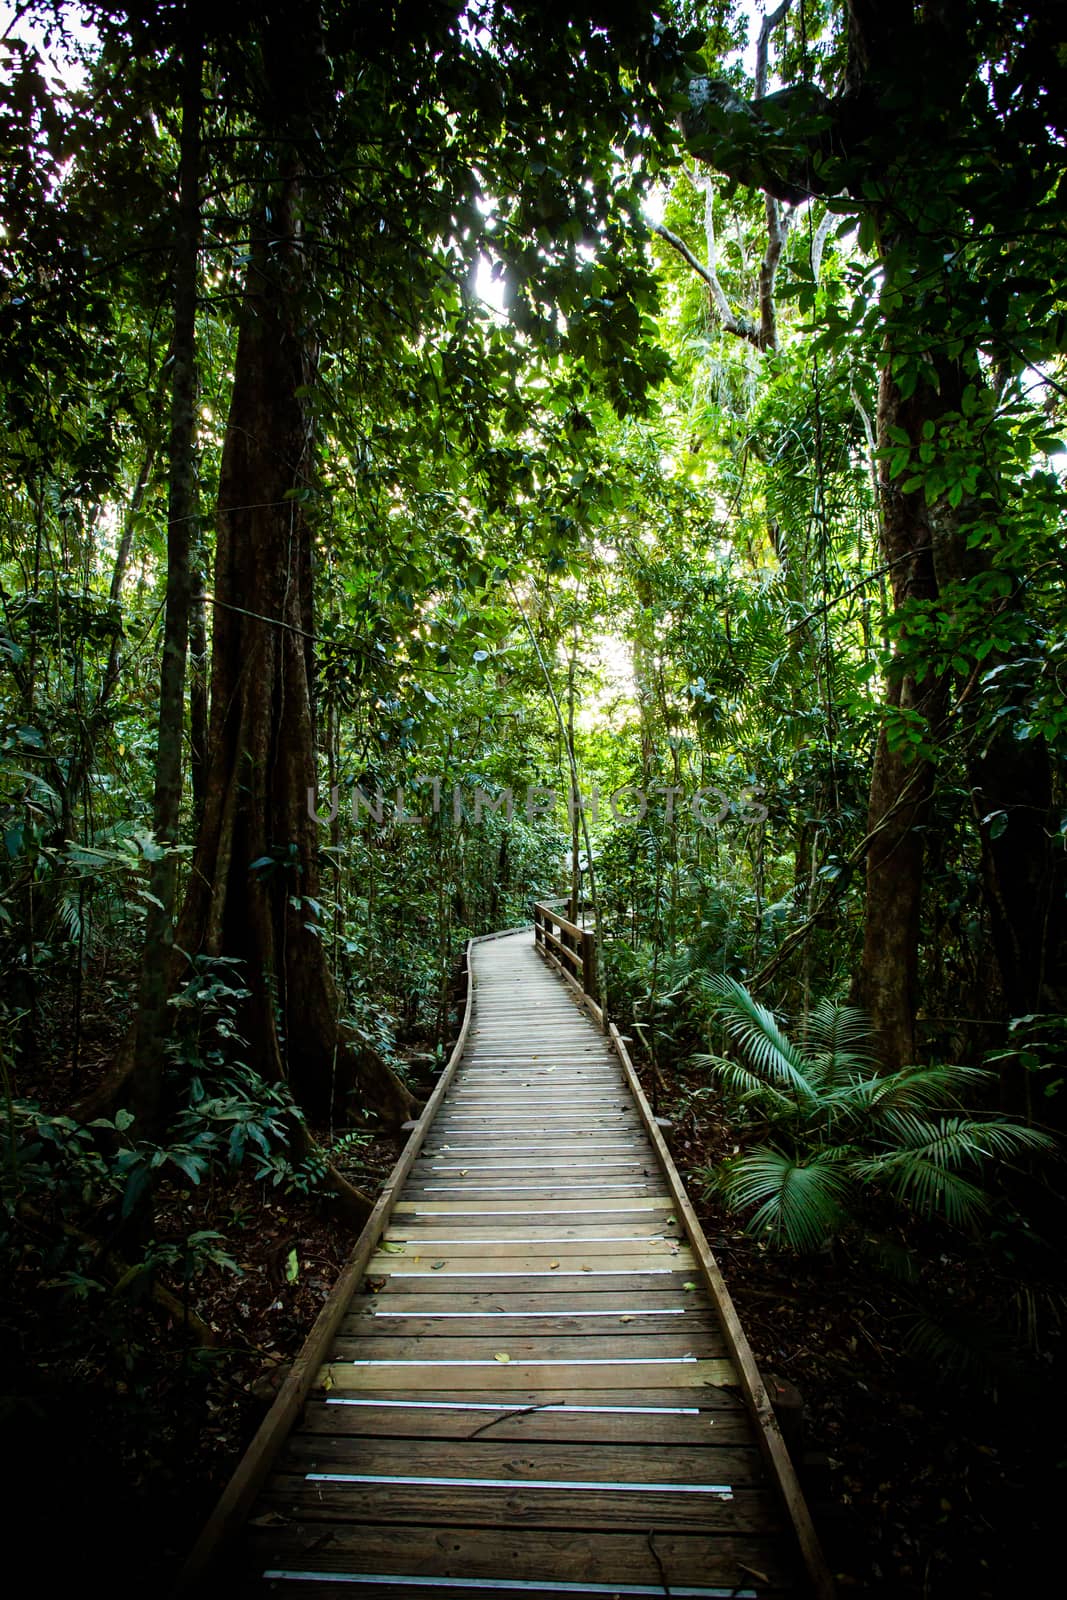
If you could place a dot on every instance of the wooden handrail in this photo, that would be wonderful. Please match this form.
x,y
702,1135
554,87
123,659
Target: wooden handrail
x,y
572,950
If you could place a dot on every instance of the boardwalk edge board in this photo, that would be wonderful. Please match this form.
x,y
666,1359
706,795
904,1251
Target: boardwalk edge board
x,y
757,1400
237,1498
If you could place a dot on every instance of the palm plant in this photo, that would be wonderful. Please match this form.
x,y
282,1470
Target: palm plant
x,y
838,1129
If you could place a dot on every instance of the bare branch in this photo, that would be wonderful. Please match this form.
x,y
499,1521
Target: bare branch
x,y
731,322
767,27
818,243
778,224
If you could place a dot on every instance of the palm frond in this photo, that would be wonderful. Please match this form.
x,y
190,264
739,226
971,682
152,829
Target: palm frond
x,y
744,1083
843,1033
771,1055
925,1183
939,1085
955,1142
963,1348
800,1204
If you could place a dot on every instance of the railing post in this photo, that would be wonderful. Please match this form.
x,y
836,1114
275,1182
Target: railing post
x,y
589,982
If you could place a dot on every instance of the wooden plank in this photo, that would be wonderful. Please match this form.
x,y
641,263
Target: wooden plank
x,y
318,1586
475,1504
573,1111
559,1169
472,1188
512,1231
501,1260
449,1208
569,1461
518,1236
503,1224
451,1282
578,1122
506,1326
523,1099
547,1141
489,1133
619,1557
463,1346
616,1301
239,1494
326,1586
677,1401
593,1417
341,1377
760,1409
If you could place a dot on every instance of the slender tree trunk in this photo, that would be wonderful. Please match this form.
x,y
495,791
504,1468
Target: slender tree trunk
x,y
198,680
182,506
119,571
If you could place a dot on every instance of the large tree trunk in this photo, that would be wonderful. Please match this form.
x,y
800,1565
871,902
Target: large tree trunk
x,y
254,885
902,778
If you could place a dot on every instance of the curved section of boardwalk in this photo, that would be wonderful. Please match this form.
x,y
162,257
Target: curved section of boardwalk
x,y
531,1392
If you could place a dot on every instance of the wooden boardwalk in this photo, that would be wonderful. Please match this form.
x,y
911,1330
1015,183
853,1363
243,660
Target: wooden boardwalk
x,y
533,1381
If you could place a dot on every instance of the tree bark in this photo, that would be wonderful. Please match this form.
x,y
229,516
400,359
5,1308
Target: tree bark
x,y
182,506
199,702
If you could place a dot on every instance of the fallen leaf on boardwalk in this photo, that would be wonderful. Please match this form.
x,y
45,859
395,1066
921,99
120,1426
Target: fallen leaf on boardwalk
x,y
374,1284
327,1382
435,1266
502,1355
391,1249
587,1269
552,1265
626,1319
688,1285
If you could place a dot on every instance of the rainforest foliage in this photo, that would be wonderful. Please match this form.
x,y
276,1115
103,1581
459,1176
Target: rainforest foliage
x,y
413,413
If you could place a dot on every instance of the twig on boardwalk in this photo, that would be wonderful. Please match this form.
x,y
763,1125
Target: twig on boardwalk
x,y
651,1541
525,1411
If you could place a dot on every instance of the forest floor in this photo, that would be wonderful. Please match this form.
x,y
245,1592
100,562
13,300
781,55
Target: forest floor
x,y
123,1431
925,1482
